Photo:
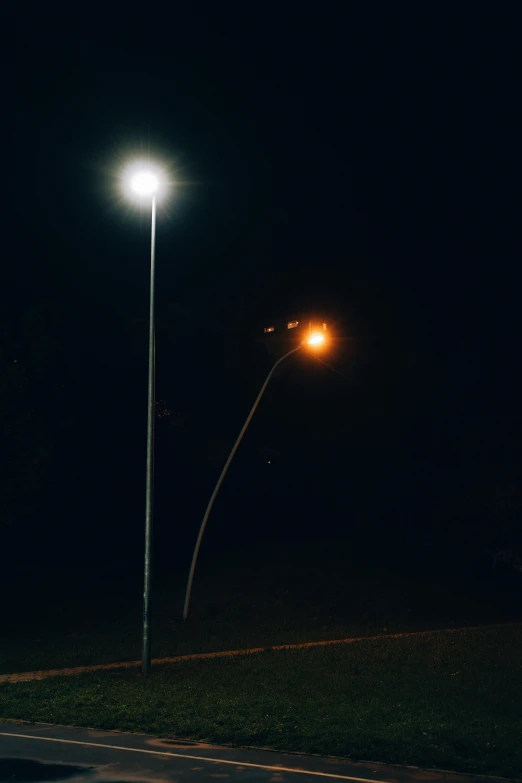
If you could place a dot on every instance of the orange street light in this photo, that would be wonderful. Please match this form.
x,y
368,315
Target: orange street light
x,y
313,340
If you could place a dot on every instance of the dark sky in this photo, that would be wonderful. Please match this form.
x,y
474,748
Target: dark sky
x,y
361,168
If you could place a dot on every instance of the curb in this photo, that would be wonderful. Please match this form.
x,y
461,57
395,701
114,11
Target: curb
x,y
46,673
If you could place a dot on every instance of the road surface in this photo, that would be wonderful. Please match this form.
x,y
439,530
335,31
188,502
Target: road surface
x,y
31,753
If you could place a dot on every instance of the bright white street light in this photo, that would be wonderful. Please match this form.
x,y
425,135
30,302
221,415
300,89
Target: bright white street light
x,y
144,179
145,183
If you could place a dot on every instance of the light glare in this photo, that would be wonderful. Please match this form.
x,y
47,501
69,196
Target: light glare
x,y
144,183
143,180
315,339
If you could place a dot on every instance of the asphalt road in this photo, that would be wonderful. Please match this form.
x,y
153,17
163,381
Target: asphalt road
x,y
39,752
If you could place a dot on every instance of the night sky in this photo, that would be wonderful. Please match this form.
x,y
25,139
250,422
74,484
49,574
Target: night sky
x,y
363,169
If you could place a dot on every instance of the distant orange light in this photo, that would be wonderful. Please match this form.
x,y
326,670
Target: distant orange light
x,y
315,339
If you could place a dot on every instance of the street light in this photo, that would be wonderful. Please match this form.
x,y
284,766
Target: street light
x,y
313,340
145,181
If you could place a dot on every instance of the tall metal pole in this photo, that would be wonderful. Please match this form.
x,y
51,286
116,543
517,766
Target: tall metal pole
x,y
149,491
222,476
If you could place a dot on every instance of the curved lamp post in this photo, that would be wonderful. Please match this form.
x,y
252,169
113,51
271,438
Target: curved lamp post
x,y
312,340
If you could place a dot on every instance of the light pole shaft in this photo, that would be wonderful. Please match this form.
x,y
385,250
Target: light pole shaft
x,y
149,490
222,476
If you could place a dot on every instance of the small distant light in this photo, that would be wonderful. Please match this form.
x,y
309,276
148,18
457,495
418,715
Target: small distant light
x,y
269,329
292,324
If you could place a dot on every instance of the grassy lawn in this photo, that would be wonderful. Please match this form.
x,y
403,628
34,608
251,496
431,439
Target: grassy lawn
x,y
56,624
451,701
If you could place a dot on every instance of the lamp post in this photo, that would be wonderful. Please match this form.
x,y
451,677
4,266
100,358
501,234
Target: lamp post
x,y
145,183
312,340
149,480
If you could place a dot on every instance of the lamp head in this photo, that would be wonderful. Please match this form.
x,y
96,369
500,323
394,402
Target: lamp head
x,y
315,339
144,180
144,183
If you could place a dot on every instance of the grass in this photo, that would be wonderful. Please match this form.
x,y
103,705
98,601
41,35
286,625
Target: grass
x,y
445,700
234,605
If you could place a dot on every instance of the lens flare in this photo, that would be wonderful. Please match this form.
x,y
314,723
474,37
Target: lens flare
x,y
315,339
